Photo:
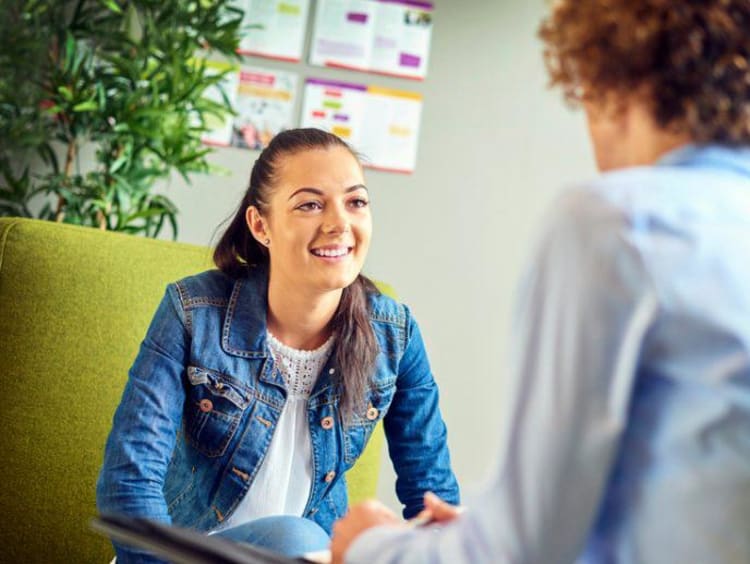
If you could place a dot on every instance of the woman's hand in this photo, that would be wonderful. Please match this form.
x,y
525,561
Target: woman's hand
x,y
360,517
438,511
372,513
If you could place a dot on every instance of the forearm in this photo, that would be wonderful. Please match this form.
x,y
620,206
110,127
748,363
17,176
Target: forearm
x,y
123,490
137,453
144,428
418,448
416,433
458,541
115,496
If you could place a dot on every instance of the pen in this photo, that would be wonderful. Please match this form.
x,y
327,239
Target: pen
x,y
427,518
420,520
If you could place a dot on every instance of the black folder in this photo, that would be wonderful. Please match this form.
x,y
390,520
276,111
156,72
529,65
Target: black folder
x,y
185,546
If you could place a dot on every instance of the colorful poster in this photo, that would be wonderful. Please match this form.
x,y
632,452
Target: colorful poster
x,y
391,129
274,28
389,37
264,105
342,35
401,42
263,100
380,123
338,107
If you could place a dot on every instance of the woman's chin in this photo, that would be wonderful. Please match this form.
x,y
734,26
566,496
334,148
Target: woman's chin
x,y
332,283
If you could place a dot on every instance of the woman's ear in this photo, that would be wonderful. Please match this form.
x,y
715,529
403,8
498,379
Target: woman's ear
x,y
257,225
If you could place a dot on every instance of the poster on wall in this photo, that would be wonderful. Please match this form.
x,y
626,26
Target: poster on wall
x,y
391,128
380,123
264,104
337,107
274,28
264,101
390,37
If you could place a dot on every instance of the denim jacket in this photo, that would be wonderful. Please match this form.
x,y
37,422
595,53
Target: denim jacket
x,y
203,397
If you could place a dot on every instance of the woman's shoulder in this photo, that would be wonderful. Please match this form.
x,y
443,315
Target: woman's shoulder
x,y
385,309
209,285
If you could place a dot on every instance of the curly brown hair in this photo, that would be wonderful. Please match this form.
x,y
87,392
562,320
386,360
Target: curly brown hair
x,y
692,57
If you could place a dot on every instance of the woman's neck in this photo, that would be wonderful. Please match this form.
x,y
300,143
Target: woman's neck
x,y
301,320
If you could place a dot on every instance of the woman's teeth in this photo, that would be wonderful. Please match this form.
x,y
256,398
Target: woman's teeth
x,y
330,252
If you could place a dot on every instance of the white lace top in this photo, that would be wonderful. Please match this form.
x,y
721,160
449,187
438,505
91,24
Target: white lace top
x,y
282,484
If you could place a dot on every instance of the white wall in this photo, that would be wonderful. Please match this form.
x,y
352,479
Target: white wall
x,y
495,147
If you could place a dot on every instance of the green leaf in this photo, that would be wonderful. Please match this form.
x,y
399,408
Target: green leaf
x,y
119,162
87,106
65,93
99,204
112,5
52,110
101,95
145,214
70,48
172,217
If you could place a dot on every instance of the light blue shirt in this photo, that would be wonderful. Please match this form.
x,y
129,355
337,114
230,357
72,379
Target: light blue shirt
x,y
627,438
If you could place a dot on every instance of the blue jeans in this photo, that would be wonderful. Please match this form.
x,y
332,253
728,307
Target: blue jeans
x,y
284,534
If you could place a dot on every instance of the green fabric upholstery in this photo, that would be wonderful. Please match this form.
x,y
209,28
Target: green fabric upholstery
x,y
74,305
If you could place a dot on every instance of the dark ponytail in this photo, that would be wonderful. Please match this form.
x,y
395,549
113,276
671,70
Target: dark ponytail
x,y
356,346
237,251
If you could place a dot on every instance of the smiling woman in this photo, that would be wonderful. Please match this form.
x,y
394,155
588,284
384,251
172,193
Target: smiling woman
x,y
305,205
321,227
258,385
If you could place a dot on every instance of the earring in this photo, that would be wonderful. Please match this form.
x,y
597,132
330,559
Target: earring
x,y
267,242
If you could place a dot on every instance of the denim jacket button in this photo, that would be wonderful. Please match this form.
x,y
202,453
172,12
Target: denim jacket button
x,y
327,422
206,405
372,413
330,476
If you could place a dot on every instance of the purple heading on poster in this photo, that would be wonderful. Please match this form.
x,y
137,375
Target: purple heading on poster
x,y
411,3
335,84
356,17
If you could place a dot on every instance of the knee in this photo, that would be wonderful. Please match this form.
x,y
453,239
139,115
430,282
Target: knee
x,y
286,534
304,527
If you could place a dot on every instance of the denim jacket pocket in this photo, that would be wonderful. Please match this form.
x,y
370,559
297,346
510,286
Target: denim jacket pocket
x,y
214,408
363,422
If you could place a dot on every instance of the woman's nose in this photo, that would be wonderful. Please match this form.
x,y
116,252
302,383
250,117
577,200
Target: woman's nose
x,y
335,220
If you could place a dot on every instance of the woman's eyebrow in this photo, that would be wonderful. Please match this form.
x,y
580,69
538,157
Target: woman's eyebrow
x,y
316,191
357,187
319,192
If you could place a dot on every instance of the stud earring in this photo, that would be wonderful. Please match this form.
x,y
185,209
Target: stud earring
x,y
267,242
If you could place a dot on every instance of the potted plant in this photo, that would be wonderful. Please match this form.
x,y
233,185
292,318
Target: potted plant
x,y
101,98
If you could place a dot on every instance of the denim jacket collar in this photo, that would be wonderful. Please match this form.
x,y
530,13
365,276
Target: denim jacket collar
x,y
244,331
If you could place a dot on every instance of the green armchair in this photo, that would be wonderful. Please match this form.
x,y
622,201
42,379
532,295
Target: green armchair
x,y
74,305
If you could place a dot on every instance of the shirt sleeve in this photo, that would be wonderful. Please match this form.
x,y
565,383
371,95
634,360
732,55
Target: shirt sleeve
x,y
416,433
584,307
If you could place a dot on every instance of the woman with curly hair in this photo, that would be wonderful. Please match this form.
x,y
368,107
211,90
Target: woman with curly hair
x,y
628,432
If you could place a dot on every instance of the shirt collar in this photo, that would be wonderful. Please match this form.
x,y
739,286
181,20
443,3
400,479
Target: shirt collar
x,y
709,156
